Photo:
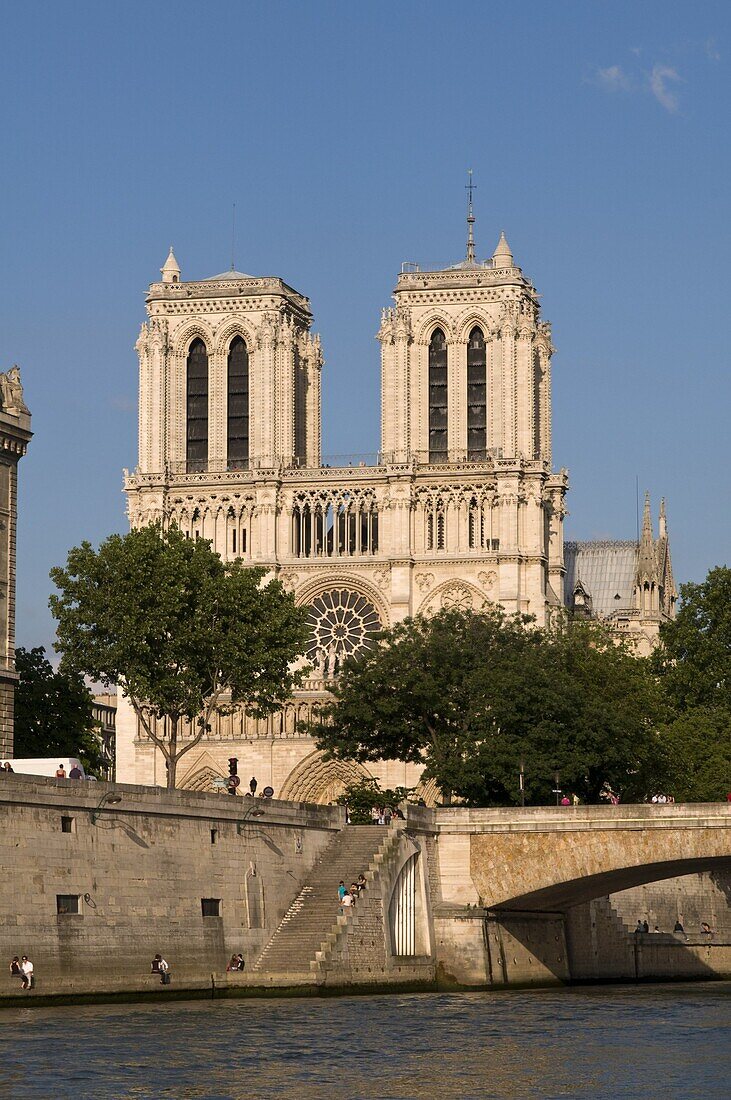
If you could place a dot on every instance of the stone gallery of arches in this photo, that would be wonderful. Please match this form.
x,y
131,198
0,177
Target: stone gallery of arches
x,y
459,507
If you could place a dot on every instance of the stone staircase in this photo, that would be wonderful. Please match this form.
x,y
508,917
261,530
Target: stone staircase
x,y
313,921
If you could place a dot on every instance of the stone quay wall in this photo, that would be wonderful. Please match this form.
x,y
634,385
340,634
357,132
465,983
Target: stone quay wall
x,y
139,871
97,878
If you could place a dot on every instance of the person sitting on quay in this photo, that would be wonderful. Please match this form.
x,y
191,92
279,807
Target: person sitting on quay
x,y
361,883
27,967
237,963
159,966
706,929
15,968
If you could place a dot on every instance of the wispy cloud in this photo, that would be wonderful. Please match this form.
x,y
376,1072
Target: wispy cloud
x,y
660,78
613,79
661,82
712,52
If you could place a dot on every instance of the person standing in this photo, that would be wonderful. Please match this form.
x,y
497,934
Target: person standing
x,y
60,772
27,967
75,772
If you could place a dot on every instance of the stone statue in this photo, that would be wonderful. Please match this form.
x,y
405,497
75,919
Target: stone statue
x,y
332,659
11,391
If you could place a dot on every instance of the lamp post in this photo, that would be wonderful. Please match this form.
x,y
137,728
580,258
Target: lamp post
x,y
557,790
107,799
522,782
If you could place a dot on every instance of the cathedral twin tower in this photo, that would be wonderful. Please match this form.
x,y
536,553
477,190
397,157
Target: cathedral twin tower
x,y
462,505
461,509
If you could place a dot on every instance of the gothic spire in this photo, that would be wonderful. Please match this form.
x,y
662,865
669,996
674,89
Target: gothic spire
x,y
646,558
470,220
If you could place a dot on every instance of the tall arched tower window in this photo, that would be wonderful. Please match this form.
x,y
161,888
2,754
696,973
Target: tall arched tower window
x,y
196,451
476,395
438,397
238,405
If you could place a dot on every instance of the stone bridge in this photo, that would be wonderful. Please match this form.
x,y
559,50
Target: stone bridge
x,y
526,896
548,859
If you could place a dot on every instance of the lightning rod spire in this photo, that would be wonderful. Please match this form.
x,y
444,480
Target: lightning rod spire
x,y
470,187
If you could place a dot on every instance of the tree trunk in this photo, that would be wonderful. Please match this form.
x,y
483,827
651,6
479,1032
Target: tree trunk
x,y
172,763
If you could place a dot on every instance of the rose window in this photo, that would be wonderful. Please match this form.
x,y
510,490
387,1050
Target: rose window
x,y
341,623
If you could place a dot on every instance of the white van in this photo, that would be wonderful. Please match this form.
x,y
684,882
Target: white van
x,y
48,766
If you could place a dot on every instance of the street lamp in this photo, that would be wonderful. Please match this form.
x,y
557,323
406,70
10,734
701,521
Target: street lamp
x,y
107,799
557,790
522,782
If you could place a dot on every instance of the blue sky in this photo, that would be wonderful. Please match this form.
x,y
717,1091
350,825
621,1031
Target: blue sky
x,y
598,135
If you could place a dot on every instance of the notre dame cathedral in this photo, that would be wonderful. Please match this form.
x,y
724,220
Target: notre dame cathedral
x,y
461,506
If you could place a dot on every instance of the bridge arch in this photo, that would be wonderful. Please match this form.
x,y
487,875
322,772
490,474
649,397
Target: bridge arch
x,y
550,859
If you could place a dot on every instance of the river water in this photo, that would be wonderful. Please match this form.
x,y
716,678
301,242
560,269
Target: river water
x,y
669,1041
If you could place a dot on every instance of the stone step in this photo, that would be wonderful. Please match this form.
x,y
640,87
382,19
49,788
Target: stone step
x,y
308,925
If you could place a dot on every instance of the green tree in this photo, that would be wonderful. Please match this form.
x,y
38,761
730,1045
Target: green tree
x,y
693,663
578,704
360,798
697,746
694,655
53,713
182,633
469,695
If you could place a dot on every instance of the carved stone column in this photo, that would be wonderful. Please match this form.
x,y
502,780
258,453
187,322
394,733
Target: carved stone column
x,y
385,336
265,425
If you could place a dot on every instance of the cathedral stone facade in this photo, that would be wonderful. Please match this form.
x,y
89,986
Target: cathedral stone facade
x,y
462,506
15,435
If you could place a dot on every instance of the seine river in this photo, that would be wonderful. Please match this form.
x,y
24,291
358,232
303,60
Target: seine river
x,y
651,1041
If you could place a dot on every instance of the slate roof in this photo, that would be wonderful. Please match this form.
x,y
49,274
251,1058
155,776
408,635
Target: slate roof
x,y
607,569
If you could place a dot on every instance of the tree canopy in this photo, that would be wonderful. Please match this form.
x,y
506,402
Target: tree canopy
x,y
693,663
182,633
53,713
694,655
471,694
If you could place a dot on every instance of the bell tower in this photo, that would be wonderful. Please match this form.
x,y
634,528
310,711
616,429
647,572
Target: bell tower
x,y
466,405
229,375
466,364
